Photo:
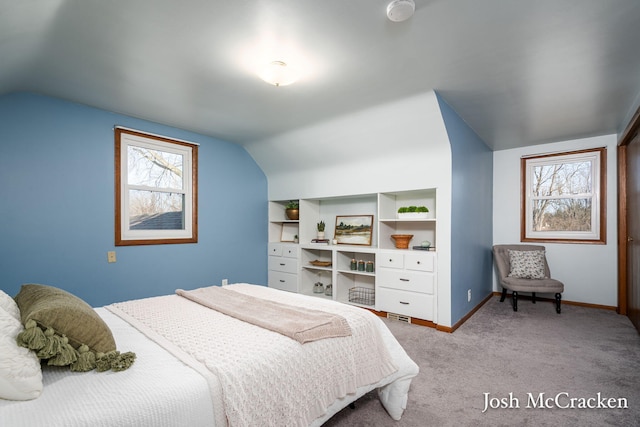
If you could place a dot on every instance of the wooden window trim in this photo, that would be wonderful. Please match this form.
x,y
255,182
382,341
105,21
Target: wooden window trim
x,y
119,241
602,212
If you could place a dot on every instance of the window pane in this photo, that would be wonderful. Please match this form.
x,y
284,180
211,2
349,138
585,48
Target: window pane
x,y
154,168
562,179
564,197
561,215
153,210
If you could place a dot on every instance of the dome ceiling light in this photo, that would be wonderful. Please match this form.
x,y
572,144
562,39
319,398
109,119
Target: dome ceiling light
x,y
278,73
400,10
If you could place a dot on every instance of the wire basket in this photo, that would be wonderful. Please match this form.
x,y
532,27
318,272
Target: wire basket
x,y
364,296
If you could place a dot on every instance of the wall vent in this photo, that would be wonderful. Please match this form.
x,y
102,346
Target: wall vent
x,y
399,317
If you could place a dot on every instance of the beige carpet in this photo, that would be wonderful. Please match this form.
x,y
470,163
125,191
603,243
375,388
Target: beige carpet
x,y
574,355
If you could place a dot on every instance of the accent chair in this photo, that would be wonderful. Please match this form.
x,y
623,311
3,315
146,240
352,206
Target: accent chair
x,y
524,268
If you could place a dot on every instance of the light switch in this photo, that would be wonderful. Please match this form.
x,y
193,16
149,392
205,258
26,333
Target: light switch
x,y
111,256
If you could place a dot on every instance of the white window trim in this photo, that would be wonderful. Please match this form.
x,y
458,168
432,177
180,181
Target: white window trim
x,y
596,235
126,236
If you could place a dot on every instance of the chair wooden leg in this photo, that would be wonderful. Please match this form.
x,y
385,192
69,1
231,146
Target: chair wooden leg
x,y
533,297
514,298
558,299
504,294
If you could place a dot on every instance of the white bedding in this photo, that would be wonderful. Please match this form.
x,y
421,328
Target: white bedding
x,y
160,390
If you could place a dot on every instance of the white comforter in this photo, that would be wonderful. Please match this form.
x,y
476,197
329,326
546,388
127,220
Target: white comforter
x,y
268,379
157,391
161,390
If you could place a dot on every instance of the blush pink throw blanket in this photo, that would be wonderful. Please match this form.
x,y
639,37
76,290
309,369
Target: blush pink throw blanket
x,y
301,324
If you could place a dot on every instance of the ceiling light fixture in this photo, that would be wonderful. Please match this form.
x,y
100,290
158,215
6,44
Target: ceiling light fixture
x,y
278,73
400,10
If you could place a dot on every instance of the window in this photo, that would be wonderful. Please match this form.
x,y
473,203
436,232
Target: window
x,y
156,182
563,197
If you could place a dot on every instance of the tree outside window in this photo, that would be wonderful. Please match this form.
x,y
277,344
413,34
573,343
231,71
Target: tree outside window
x,y
563,197
156,183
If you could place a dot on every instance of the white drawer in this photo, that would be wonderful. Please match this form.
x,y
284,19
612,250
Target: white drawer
x,y
290,251
406,280
283,281
419,261
286,265
391,260
404,302
275,249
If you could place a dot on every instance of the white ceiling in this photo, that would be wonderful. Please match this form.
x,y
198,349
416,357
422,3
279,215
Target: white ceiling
x,y
519,72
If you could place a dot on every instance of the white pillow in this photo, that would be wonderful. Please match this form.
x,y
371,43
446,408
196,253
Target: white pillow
x,y
9,305
20,373
527,264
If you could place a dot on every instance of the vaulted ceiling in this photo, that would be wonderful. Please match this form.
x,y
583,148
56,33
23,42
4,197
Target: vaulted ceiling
x,y
519,72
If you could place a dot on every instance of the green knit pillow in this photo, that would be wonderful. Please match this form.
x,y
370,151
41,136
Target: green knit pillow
x,y
65,331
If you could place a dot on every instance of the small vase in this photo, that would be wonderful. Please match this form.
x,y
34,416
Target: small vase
x,y
320,234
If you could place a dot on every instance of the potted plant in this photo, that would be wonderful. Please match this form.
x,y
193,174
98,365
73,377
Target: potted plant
x,y
320,226
292,209
412,212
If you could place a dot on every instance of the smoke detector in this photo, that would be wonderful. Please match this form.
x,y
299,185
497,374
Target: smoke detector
x,y
400,10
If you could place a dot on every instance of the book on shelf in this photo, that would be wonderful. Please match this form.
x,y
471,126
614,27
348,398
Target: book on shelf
x,y
424,248
320,241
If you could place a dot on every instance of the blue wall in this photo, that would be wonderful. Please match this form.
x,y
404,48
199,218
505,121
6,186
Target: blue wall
x,y
57,208
471,214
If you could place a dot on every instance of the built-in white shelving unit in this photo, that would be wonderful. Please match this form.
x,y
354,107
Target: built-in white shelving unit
x,y
406,286
389,223
281,228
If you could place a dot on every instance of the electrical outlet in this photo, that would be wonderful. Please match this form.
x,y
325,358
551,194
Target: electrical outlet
x,y
469,295
225,282
111,256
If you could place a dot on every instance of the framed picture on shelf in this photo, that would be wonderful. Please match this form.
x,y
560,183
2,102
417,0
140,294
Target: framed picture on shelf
x,y
354,229
289,232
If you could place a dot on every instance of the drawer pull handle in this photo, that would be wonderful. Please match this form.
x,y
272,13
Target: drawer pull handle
x,y
390,260
403,302
404,280
281,281
418,263
283,264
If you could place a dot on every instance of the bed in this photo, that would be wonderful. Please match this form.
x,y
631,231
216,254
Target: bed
x,y
197,366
